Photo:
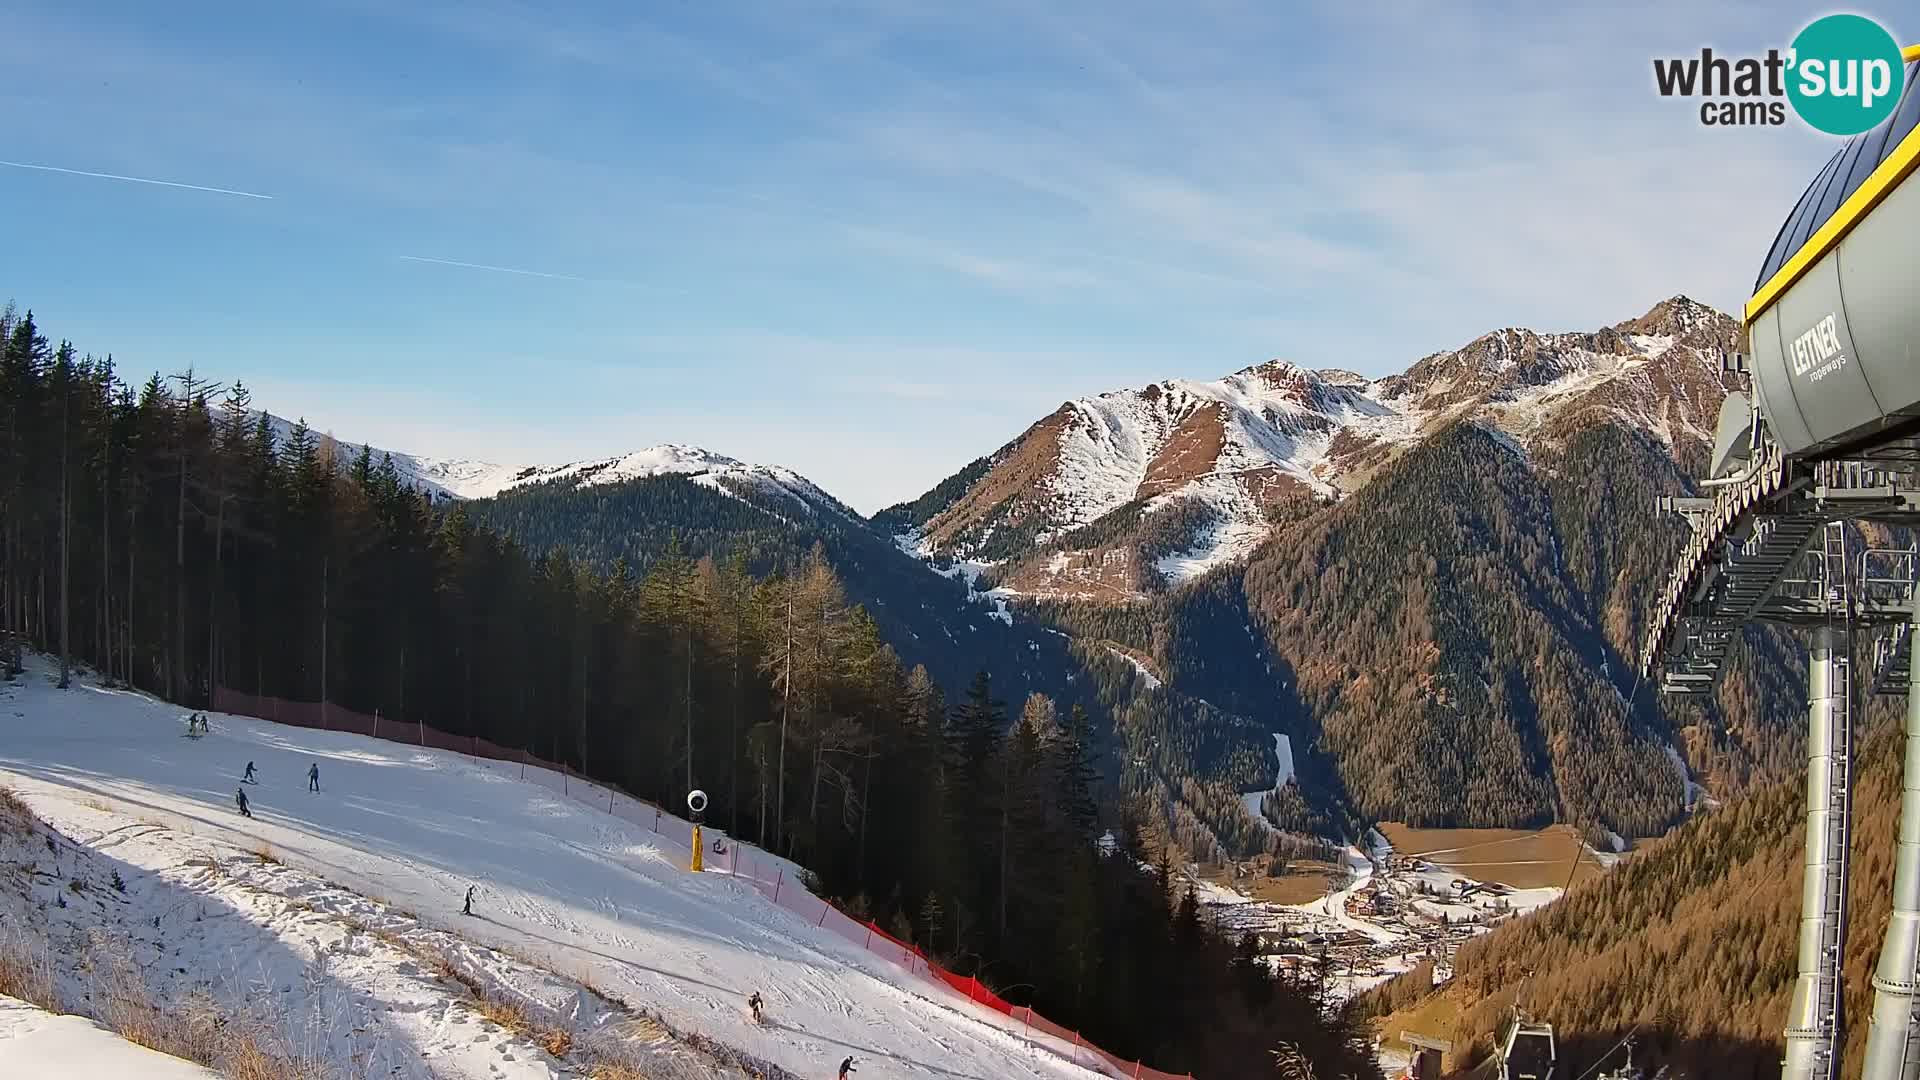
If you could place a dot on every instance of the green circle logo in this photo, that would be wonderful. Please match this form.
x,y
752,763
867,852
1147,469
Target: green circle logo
x,y
1845,74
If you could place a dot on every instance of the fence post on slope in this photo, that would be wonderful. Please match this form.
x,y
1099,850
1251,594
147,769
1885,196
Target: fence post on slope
x,y
523,768
376,723
824,906
869,943
776,884
1136,1070
656,819
423,731
609,800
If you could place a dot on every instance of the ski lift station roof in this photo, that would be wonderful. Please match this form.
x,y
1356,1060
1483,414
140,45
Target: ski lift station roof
x,y
1832,323
1842,177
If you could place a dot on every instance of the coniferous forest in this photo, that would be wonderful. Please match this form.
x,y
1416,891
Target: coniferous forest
x,y
158,532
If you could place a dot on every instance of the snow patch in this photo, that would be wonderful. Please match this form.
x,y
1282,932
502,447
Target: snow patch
x,y
1692,794
1223,542
1147,676
1283,751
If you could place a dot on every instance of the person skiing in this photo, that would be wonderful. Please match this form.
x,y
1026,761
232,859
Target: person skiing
x,y
846,1067
248,778
467,908
240,798
313,777
753,1004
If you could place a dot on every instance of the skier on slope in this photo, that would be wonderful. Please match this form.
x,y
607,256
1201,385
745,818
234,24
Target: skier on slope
x,y
240,799
467,908
248,778
313,777
754,1003
846,1068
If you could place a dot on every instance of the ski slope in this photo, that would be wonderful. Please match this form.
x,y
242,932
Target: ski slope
x,y
579,892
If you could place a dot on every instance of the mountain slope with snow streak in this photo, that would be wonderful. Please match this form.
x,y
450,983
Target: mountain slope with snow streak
x,y
1137,490
569,887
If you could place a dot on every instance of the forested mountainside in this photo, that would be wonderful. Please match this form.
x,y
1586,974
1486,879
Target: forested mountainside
x,y
1438,607
1135,491
1438,600
1183,759
167,538
1691,942
1443,613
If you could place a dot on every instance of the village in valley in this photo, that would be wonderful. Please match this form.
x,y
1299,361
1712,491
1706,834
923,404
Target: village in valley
x,y
1412,898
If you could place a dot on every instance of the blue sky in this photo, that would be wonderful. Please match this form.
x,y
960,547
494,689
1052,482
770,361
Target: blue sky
x,y
870,239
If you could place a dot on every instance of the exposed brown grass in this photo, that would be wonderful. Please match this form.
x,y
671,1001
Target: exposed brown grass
x,y
1304,882
616,1070
25,973
444,967
557,1041
15,816
1522,858
514,1016
265,853
243,1046
507,1013
517,1018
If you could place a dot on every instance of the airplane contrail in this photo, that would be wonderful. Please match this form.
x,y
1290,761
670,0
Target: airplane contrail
x,y
134,179
500,269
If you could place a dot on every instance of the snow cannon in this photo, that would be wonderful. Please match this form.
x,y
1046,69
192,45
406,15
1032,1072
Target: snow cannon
x,y
697,805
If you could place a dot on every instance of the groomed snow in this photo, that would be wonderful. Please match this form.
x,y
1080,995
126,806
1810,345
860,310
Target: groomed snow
x,y
39,1043
564,885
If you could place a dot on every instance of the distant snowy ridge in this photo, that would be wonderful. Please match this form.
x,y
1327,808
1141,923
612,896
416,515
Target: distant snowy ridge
x,y
464,478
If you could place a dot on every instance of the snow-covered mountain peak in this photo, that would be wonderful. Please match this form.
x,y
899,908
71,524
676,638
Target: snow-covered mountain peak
x,y
1206,462
1674,317
465,478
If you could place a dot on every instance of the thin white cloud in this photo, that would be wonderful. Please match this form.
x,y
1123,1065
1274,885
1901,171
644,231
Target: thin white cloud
x,y
134,179
495,269
520,272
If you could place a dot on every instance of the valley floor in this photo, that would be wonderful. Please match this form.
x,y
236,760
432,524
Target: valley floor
x,y
1384,912
337,913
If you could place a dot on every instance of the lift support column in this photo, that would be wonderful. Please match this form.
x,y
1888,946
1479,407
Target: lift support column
x,y
1814,1020
1893,1040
